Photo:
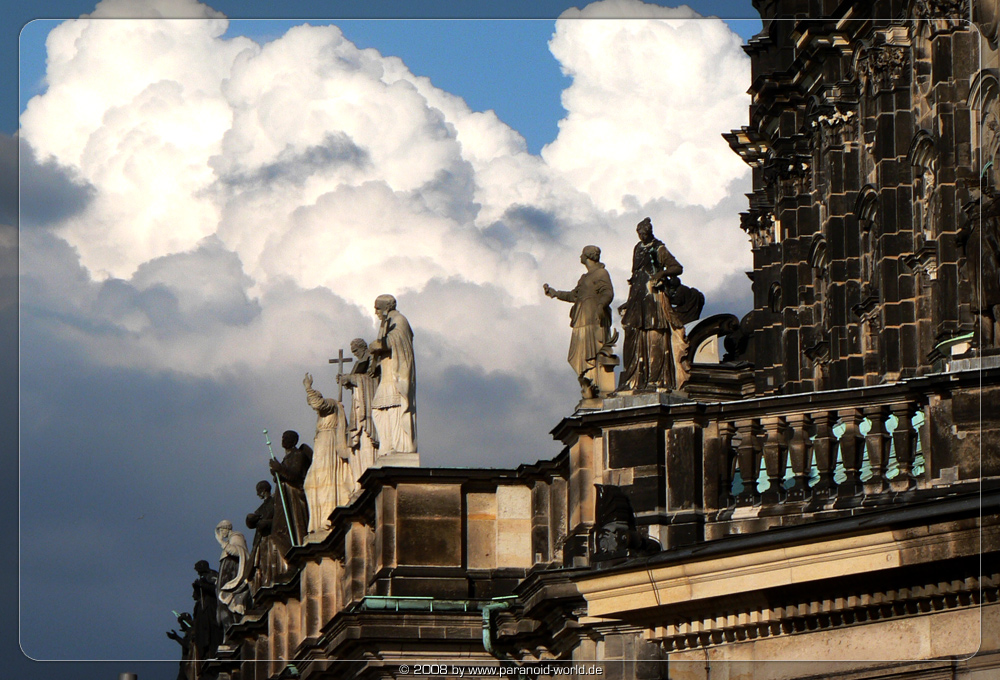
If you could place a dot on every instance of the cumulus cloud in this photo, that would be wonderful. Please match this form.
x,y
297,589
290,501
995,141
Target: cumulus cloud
x,y
647,102
225,213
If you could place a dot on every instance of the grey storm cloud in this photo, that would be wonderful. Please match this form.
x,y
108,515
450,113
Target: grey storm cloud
x,y
49,192
182,292
296,166
733,296
520,219
451,193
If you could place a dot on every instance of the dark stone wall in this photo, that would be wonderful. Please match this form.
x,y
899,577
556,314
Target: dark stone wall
x,y
863,145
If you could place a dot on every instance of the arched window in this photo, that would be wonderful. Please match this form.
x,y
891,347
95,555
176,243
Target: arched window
x,y
866,210
923,162
819,262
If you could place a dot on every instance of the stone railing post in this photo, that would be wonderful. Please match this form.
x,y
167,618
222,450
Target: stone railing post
x,y
775,458
799,448
878,444
726,462
851,452
826,459
747,456
904,439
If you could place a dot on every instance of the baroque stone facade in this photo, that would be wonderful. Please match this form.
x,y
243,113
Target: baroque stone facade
x,y
829,494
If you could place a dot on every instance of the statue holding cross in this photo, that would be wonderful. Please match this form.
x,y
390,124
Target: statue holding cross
x,y
341,363
361,433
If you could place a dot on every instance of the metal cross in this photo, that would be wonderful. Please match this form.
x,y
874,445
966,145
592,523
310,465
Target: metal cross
x,y
341,362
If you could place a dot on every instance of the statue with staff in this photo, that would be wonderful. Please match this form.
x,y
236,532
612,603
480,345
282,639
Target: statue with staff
x,y
289,477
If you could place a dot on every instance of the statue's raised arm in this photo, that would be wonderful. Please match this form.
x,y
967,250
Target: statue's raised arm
x,y
591,343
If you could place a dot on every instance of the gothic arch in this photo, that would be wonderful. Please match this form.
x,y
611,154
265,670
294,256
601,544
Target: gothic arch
x,y
924,163
922,151
866,207
984,100
866,210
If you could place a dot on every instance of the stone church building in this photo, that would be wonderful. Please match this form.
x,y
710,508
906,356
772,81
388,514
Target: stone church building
x,y
822,502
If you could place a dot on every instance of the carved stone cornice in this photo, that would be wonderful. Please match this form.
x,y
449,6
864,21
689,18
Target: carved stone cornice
x,y
939,16
789,175
880,67
924,261
834,126
864,606
868,311
818,353
749,144
759,226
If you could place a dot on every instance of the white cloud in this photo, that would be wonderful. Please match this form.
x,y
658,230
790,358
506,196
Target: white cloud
x,y
237,191
648,102
221,216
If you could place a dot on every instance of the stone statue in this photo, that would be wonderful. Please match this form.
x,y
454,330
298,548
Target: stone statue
x,y
615,533
270,540
979,239
590,317
394,404
328,482
206,630
186,624
653,317
291,474
233,587
363,437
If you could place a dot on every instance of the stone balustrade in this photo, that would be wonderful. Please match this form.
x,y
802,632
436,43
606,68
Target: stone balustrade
x,y
839,453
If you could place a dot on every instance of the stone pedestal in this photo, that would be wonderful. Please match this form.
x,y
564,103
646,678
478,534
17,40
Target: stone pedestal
x,y
647,444
606,374
411,459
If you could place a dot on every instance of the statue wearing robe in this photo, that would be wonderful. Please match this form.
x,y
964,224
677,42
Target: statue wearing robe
x,y
362,436
590,318
328,482
206,631
233,586
291,473
270,540
653,317
394,404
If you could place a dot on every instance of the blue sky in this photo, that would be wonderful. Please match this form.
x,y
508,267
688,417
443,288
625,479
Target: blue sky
x,y
501,65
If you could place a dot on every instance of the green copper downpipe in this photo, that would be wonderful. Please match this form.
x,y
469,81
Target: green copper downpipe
x,y
496,605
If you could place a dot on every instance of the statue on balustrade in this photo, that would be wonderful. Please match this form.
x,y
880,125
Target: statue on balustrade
x,y
328,482
187,670
233,586
979,239
206,632
362,435
271,540
591,343
653,317
291,473
394,404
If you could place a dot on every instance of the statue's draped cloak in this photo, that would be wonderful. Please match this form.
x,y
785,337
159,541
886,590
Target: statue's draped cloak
x,y
394,403
362,423
590,318
234,568
654,345
271,541
325,486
